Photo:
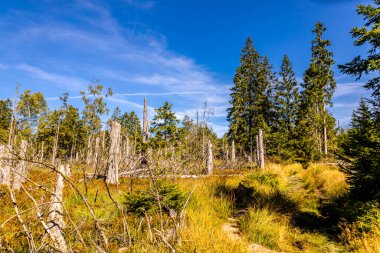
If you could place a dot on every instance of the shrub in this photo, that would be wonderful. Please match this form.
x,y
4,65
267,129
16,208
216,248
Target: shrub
x,y
146,201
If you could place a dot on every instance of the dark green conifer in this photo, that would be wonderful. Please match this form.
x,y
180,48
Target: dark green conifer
x,y
319,86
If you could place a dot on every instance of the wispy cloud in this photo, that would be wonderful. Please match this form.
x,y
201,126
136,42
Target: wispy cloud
x,y
83,41
344,89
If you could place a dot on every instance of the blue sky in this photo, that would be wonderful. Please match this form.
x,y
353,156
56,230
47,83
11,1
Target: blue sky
x,y
185,52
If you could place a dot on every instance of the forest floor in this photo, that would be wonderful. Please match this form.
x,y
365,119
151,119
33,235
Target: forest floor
x,y
282,208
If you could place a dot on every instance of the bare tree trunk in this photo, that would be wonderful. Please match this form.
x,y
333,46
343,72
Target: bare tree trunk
x,y
96,155
257,156
20,170
5,165
114,154
89,150
127,148
42,151
68,170
145,121
55,147
261,149
209,161
325,140
233,152
55,220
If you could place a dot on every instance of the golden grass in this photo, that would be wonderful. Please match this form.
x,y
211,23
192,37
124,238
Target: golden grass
x,y
268,221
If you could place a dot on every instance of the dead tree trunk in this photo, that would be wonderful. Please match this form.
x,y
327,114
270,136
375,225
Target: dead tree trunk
x,y
145,121
325,140
20,170
55,146
261,149
209,160
42,151
127,147
233,152
5,165
96,155
55,220
89,150
112,176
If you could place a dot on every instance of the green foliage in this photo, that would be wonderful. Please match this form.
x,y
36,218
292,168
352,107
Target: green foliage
x,y
164,125
95,106
368,35
146,201
266,179
250,98
319,86
30,108
282,142
5,119
361,149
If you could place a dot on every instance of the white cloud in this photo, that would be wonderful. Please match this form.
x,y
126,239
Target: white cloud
x,y
343,89
132,63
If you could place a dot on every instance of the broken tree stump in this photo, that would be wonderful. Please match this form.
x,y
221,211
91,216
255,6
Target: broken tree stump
x,y
112,176
5,165
20,170
55,221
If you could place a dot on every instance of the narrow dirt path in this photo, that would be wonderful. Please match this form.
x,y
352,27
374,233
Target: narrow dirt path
x,y
233,231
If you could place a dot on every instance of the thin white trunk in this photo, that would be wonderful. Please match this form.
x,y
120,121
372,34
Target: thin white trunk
x,y
145,121
127,148
89,151
209,160
261,149
325,140
96,155
55,146
233,152
42,151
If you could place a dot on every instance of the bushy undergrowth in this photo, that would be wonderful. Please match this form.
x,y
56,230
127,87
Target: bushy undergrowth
x,y
147,201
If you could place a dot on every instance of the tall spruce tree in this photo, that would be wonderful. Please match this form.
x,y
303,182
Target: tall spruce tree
x,y
315,123
250,98
363,145
369,34
286,102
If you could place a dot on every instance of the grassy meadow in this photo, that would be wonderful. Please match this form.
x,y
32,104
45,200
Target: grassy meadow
x,y
286,208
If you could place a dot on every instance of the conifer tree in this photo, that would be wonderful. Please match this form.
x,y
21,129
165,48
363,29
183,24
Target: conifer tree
x,y
164,125
363,142
250,98
286,102
315,123
368,35
362,146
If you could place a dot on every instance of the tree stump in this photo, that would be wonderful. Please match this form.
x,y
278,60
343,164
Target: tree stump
x,y
112,176
55,222
20,170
